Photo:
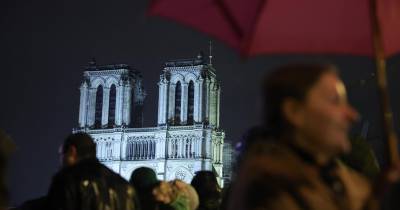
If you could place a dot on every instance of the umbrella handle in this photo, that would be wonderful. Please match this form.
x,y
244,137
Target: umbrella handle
x,y
387,114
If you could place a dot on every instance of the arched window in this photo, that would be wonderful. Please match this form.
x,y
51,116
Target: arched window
x,y
99,107
111,106
178,94
190,103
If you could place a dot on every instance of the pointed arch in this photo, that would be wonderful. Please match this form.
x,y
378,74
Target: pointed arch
x,y
111,106
178,99
190,106
99,107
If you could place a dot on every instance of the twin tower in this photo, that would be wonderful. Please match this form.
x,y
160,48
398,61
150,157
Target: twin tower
x,y
186,138
113,95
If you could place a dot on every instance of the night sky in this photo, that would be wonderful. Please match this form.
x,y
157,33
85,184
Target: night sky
x,y
45,46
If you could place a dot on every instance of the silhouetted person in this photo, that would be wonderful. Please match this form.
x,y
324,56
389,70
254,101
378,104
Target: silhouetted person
x,y
84,183
144,180
6,148
207,188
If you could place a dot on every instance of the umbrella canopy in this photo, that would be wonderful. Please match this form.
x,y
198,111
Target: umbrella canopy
x,y
356,27
284,26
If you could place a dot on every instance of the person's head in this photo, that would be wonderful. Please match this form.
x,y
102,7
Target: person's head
x,y
206,185
143,179
307,102
76,147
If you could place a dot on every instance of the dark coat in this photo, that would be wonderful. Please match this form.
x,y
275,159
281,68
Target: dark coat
x,y
89,185
273,176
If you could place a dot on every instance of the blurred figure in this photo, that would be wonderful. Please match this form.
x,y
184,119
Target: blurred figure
x,y
6,148
176,195
250,137
308,119
144,180
206,185
84,183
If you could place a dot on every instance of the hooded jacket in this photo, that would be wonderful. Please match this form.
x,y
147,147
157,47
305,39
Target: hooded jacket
x,y
89,185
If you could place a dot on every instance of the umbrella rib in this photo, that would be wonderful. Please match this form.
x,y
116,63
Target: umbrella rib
x,y
229,17
245,48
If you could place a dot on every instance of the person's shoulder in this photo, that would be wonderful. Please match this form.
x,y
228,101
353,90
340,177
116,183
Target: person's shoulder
x,y
358,186
270,150
274,159
115,179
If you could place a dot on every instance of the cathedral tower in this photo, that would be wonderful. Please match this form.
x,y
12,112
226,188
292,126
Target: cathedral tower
x,y
111,96
189,93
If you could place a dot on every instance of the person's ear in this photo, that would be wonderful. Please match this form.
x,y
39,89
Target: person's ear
x,y
292,111
73,151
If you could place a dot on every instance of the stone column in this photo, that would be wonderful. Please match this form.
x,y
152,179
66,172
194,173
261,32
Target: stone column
x,y
207,145
218,105
207,100
92,106
184,103
221,150
199,147
148,152
170,142
126,101
83,104
118,104
106,103
162,103
198,100
181,148
192,150
97,149
171,103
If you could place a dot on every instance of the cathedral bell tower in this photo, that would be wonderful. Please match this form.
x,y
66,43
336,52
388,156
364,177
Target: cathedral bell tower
x,y
111,96
189,93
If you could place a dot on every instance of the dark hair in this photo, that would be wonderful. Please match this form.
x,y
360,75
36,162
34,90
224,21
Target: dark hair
x,y
143,178
206,185
290,81
85,146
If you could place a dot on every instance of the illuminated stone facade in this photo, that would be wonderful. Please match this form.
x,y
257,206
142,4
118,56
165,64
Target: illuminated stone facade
x,y
187,137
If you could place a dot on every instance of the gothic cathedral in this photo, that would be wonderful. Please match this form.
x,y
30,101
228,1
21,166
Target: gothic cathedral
x,y
187,137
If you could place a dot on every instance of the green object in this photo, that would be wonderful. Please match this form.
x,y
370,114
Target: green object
x,y
362,158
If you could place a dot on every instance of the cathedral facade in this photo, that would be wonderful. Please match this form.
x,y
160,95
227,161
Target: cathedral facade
x,y
187,137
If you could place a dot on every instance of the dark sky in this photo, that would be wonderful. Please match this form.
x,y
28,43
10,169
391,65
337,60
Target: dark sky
x,y
45,45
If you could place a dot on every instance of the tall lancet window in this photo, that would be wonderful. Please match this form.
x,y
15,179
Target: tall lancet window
x,y
178,94
190,103
99,107
111,106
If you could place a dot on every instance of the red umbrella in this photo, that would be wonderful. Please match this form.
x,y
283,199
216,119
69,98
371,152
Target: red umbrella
x,y
353,27
286,26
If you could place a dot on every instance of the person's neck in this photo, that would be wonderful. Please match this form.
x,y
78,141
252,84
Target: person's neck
x,y
320,157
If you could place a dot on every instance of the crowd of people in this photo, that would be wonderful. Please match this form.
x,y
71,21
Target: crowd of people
x,y
290,162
